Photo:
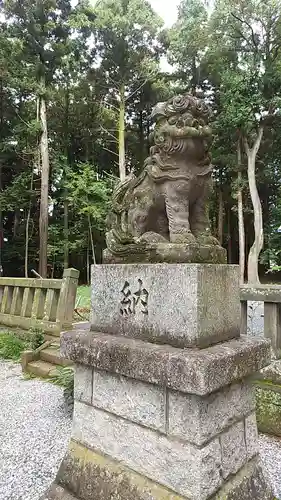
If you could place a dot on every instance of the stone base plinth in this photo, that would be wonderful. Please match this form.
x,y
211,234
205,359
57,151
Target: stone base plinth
x,y
184,305
170,253
156,422
92,476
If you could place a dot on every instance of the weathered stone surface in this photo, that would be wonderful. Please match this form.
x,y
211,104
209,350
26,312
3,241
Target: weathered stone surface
x,y
83,383
251,436
261,293
187,470
233,449
268,399
272,372
27,357
190,371
198,419
137,401
171,253
182,304
28,302
101,478
248,484
56,492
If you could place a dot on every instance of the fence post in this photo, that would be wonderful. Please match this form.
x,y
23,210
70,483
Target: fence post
x,y
244,317
272,325
67,297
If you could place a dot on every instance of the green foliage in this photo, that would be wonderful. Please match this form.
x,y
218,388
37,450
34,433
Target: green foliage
x,y
11,346
84,296
88,193
188,40
64,377
81,58
36,336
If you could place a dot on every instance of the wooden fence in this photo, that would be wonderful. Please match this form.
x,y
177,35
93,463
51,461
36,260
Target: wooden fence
x,y
42,303
271,296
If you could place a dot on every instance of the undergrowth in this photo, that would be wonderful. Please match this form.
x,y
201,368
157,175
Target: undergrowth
x,y
64,376
11,346
36,338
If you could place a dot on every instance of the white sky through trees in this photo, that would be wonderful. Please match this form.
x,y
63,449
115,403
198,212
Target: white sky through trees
x,y
167,9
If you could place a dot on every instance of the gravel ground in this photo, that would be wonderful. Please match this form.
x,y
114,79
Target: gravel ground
x,y
34,432
256,318
270,449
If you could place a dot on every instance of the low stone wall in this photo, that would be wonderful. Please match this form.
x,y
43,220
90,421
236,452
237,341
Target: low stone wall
x,y
42,303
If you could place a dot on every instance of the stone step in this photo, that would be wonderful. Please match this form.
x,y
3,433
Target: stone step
x,y
41,368
53,338
57,493
52,355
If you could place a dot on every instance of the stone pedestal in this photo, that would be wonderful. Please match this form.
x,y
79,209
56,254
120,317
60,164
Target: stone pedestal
x,y
163,419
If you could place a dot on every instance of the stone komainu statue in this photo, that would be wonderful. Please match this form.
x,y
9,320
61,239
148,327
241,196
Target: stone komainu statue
x,y
162,215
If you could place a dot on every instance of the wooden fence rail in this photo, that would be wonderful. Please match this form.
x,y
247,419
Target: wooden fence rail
x,y
271,296
42,303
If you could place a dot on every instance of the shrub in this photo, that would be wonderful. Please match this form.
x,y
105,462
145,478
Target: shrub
x,y
64,376
11,346
36,338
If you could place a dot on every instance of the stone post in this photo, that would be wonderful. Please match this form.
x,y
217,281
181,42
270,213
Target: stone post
x,y
67,297
164,408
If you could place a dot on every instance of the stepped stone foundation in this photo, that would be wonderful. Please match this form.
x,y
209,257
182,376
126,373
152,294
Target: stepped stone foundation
x,y
164,408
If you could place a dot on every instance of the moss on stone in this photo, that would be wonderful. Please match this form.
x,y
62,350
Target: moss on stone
x,y
268,399
90,475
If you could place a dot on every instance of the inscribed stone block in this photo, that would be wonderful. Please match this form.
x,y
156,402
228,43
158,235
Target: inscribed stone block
x,y
183,305
137,401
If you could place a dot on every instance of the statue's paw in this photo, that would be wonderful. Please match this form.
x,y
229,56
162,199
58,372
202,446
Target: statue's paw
x,y
207,239
151,237
183,238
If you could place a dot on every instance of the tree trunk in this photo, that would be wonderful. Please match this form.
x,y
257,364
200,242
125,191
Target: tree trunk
x,y
38,157
65,201
121,135
44,205
229,240
220,218
241,227
1,186
88,263
255,250
194,79
27,241
91,239
65,234
1,226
